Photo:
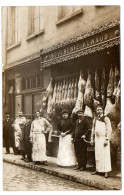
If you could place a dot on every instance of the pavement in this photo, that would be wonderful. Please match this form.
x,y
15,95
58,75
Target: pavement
x,y
83,177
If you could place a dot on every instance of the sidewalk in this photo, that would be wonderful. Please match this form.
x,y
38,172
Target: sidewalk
x,y
85,177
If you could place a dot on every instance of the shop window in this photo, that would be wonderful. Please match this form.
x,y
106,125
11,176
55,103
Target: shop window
x,y
13,26
35,20
32,82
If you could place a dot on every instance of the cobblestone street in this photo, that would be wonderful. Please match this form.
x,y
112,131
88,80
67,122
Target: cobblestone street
x,y
77,180
16,178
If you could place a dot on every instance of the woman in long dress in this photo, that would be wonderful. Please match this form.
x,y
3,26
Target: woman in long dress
x,y
66,154
102,132
39,127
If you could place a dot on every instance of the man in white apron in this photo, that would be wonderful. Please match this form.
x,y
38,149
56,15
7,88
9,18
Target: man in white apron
x,y
102,131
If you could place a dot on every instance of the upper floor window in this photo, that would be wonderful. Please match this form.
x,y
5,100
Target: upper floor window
x,y
36,19
67,12
13,25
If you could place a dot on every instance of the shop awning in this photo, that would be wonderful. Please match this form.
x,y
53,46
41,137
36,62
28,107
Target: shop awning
x,y
98,39
10,90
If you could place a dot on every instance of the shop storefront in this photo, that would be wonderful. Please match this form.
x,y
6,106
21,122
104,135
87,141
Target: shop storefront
x,y
93,57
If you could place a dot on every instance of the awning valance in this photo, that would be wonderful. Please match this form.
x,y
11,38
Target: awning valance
x,y
98,39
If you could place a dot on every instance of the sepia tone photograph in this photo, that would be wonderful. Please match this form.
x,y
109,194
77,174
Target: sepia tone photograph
x,y
61,98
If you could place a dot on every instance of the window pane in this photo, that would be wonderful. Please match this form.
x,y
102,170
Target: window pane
x,y
41,10
27,104
41,22
69,10
36,11
37,102
36,24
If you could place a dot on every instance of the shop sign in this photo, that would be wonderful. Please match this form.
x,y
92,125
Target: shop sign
x,y
80,46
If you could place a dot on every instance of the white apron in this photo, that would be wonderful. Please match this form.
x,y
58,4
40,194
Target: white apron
x,y
39,142
66,153
102,153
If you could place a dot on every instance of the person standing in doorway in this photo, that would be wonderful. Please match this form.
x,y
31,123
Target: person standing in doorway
x,y
8,133
80,133
102,132
39,127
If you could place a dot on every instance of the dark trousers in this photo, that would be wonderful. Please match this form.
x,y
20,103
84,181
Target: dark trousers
x,y
81,153
9,142
28,149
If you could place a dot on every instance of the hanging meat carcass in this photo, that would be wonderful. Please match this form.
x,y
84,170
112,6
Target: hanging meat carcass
x,y
103,89
117,97
69,91
110,87
63,90
60,93
75,89
116,79
66,91
97,93
72,92
57,95
81,90
111,111
89,94
54,94
88,111
50,96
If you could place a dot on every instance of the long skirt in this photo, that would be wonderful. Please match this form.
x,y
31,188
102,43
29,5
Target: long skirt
x,y
39,147
102,153
66,153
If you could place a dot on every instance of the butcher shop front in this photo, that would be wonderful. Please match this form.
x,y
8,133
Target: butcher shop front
x,y
84,72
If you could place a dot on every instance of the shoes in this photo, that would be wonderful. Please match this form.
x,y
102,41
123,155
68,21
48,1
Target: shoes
x,y
76,168
27,160
22,158
7,152
45,163
82,169
106,175
94,173
37,163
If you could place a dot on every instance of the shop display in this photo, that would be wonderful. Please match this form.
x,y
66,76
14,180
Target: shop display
x,y
89,92
103,89
116,79
97,92
81,90
50,96
110,87
73,94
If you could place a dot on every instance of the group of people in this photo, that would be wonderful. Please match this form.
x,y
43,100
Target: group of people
x,y
30,139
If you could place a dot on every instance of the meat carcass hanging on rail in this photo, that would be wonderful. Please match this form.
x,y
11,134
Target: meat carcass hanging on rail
x,y
97,91
50,96
89,93
116,80
81,90
103,89
110,87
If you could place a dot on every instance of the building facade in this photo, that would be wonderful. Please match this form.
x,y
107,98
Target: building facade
x,y
40,43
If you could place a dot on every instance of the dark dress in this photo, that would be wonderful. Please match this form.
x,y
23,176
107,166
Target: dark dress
x,y
8,134
82,128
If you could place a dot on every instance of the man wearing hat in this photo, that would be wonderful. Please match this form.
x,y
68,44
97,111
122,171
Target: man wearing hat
x,y
8,133
80,134
27,143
